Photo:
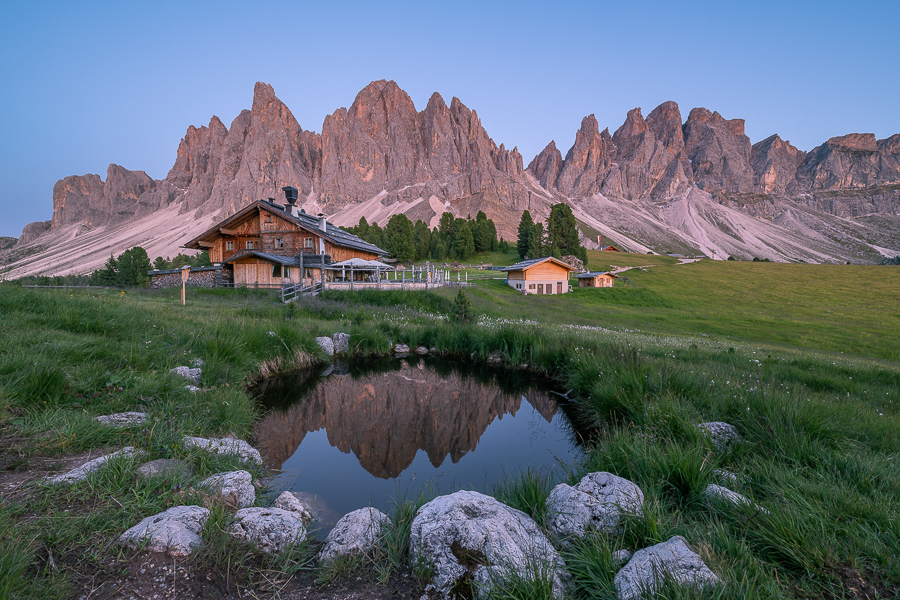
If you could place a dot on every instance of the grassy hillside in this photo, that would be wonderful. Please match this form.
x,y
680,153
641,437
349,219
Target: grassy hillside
x,y
833,308
685,344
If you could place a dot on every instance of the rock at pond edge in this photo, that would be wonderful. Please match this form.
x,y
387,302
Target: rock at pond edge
x,y
235,488
269,529
646,569
326,345
599,501
175,531
460,534
355,532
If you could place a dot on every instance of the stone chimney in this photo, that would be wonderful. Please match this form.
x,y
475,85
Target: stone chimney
x,y
322,222
290,195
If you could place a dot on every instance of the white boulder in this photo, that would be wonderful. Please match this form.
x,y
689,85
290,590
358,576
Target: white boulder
x,y
599,501
341,343
469,537
729,477
165,467
401,349
121,420
234,487
495,358
269,529
648,568
175,531
81,473
290,502
239,448
326,345
355,532
192,375
722,435
716,494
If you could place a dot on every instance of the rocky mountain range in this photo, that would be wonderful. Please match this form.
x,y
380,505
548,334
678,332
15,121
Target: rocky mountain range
x,y
656,184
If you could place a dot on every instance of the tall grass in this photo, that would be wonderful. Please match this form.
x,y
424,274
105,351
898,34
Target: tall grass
x,y
527,491
818,443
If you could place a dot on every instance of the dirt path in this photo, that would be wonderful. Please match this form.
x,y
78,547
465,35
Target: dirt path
x,y
616,270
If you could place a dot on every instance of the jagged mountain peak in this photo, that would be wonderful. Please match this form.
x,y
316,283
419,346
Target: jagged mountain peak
x,y
634,125
665,122
865,142
436,103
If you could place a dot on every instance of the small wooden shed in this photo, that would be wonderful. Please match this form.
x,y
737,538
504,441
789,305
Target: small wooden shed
x,y
546,275
597,279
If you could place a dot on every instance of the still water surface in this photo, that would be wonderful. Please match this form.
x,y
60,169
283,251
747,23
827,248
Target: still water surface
x,y
371,432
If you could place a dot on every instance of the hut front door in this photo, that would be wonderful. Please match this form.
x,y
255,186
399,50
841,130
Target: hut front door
x,y
559,287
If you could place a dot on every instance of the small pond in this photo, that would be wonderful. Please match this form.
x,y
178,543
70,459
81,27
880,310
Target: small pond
x,y
369,432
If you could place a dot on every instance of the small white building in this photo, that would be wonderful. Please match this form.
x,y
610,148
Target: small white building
x,y
546,275
596,279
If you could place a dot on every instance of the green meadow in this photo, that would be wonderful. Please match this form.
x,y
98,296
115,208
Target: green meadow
x,y
804,360
833,308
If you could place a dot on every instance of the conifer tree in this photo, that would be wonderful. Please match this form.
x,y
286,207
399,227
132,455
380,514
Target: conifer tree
x,y
362,228
562,231
375,235
536,241
107,274
526,229
438,246
462,244
446,224
399,238
482,232
462,309
133,265
423,240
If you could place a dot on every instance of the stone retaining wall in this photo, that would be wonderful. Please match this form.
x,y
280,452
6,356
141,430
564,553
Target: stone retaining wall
x,y
204,277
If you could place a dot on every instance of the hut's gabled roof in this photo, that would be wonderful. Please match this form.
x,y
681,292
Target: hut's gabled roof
x,y
527,264
332,233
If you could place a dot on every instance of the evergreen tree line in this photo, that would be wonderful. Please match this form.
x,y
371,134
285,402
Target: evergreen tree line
x,y
198,260
130,268
453,238
559,239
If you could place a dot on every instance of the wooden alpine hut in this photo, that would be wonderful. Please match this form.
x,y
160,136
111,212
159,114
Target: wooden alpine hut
x,y
266,244
546,275
596,279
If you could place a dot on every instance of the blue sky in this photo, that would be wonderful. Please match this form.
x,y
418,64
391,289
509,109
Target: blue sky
x,y
91,83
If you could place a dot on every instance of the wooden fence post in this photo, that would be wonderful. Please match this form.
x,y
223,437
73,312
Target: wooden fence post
x,y
185,273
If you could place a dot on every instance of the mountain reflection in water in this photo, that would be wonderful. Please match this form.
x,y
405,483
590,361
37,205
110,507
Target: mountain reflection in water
x,y
386,415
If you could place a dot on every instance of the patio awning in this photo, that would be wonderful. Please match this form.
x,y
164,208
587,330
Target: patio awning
x,y
362,264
